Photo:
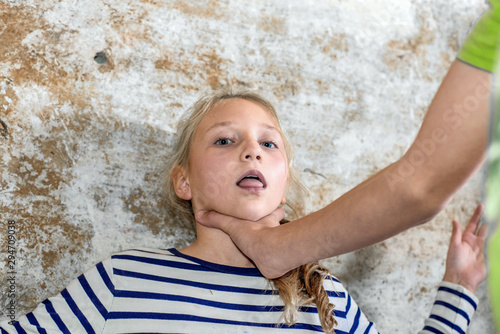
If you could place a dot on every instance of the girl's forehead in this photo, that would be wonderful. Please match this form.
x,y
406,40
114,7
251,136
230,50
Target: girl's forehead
x,y
238,109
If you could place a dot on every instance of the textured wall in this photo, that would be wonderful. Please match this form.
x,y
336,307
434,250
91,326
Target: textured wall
x,y
90,92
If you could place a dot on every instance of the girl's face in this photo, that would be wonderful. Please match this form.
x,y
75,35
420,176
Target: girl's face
x,y
238,163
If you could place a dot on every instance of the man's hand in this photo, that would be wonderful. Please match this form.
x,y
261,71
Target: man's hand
x,y
249,236
465,261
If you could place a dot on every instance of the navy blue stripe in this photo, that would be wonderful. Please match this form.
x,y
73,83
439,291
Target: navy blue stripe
x,y
165,263
335,294
368,328
340,332
18,327
355,324
252,272
199,301
447,323
216,287
90,293
433,330
190,317
339,314
190,266
343,314
459,294
105,277
76,311
3,331
32,319
455,309
57,319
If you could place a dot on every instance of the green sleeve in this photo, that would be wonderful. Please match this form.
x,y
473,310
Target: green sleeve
x,y
479,48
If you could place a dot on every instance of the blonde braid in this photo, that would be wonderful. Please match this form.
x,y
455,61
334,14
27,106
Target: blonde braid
x,y
302,286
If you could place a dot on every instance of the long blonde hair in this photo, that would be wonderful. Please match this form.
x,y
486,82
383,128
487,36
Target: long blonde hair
x,y
298,287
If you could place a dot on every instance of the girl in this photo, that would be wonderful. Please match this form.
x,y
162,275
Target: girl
x,y
233,157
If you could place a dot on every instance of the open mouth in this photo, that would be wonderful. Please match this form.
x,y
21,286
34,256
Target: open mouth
x,y
252,179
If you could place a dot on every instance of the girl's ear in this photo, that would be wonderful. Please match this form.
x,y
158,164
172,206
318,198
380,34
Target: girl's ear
x,y
181,183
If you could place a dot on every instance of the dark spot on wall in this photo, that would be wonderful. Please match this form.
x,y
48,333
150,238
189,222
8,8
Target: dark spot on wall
x,y
100,58
105,60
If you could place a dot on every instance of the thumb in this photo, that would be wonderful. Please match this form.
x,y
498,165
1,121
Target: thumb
x,y
212,219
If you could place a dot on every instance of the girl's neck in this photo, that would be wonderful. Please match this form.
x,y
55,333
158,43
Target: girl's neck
x,y
215,246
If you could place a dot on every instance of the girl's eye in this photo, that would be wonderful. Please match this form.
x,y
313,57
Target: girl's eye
x,y
223,141
269,144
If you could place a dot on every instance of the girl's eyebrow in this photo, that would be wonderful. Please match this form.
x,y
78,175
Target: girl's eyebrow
x,y
218,125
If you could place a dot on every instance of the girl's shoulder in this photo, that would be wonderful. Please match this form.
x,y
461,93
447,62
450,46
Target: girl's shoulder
x,y
142,255
334,287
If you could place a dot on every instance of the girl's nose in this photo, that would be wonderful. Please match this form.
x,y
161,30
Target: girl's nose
x,y
251,151
249,157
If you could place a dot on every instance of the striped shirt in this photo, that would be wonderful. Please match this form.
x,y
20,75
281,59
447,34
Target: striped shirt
x,y
163,291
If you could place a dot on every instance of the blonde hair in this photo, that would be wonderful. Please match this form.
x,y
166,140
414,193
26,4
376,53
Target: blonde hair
x,y
301,286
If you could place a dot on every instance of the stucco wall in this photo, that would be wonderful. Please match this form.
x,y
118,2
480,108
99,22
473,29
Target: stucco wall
x,y
90,93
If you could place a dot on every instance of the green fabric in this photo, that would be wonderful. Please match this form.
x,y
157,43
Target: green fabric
x,y
479,48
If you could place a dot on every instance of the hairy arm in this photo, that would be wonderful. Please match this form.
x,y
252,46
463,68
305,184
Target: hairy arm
x,y
448,149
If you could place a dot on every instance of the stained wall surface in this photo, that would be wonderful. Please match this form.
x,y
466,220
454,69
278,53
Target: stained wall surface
x,y
91,92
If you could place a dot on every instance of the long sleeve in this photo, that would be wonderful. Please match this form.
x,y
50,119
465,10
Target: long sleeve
x,y
452,311
82,307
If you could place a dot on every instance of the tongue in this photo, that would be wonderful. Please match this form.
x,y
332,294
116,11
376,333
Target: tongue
x,y
250,183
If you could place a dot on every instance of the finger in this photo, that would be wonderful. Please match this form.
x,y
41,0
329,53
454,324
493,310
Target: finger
x,y
472,225
212,219
456,234
482,232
